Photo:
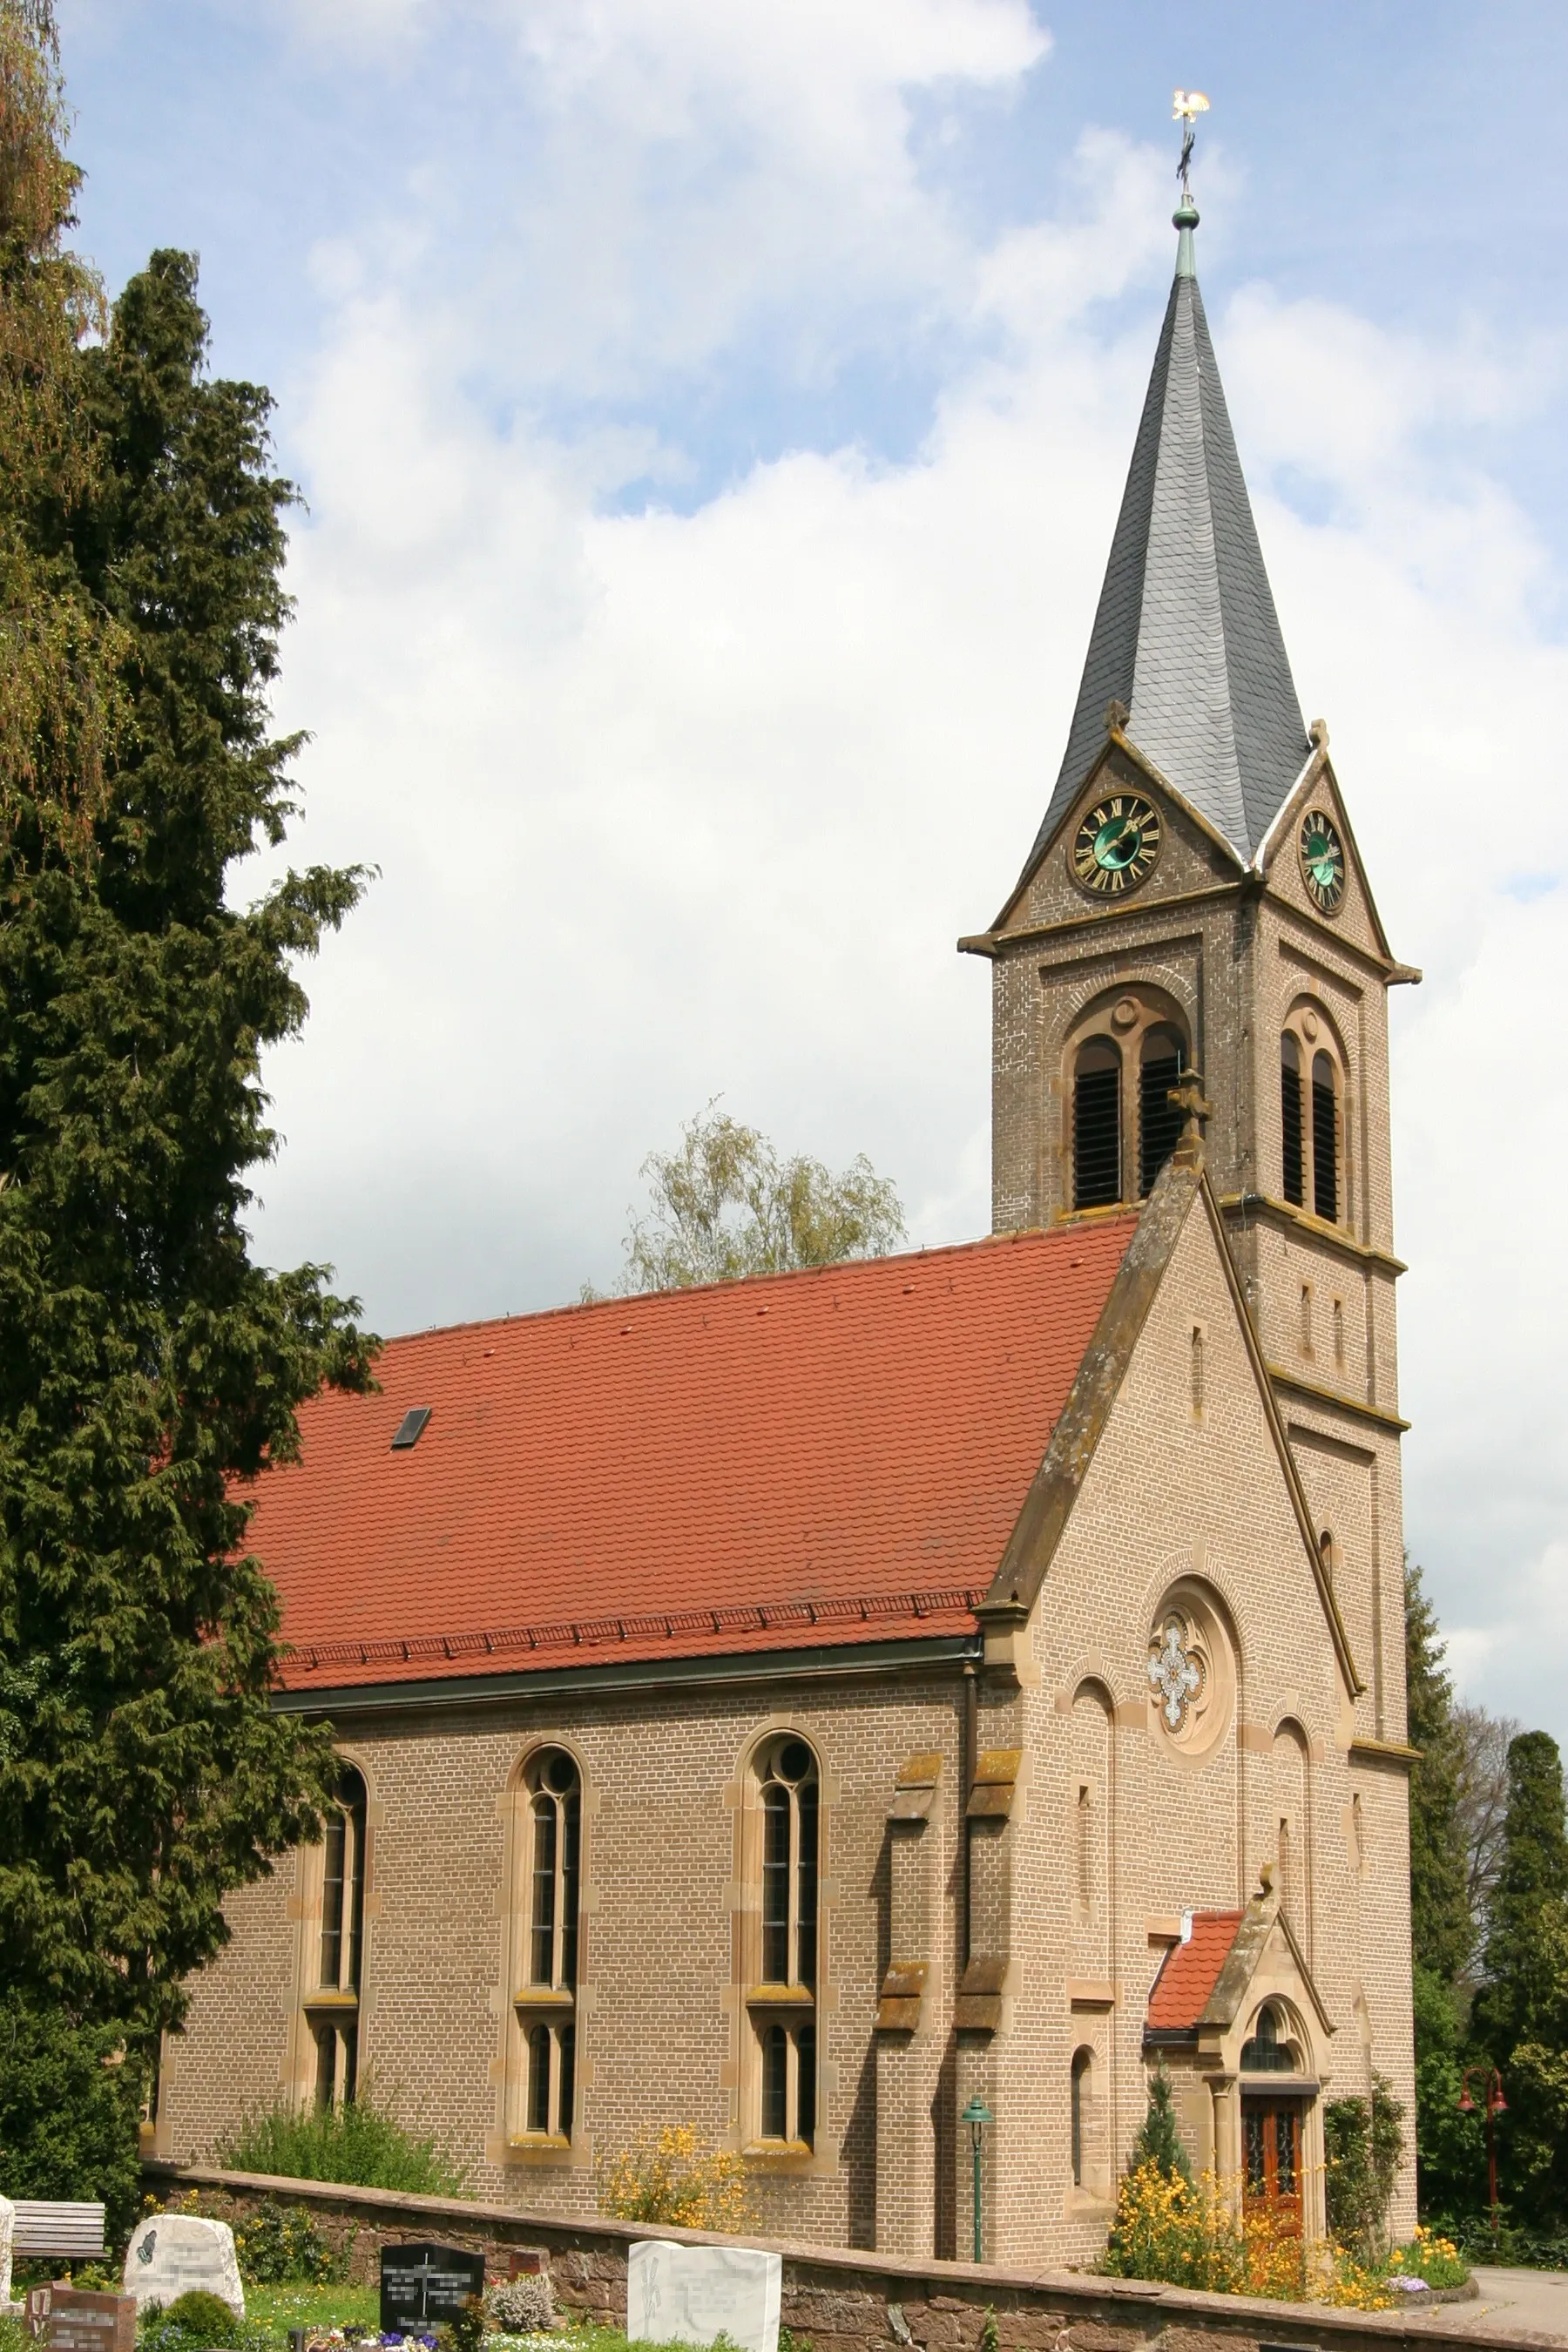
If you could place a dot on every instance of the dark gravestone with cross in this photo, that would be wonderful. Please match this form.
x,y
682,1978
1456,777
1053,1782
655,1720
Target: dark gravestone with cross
x,y
423,2286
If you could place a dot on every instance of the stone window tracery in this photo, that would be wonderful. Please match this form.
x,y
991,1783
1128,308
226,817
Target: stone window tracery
x,y
781,1991
546,1937
332,1999
1190,1670
1313,1122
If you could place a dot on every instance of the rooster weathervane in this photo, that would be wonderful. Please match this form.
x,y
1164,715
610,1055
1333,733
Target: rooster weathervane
x,y
1187,106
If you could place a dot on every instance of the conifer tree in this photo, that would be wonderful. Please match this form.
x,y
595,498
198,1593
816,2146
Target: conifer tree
x,y
147,1365
1159,2142
1520,2018
1442,1932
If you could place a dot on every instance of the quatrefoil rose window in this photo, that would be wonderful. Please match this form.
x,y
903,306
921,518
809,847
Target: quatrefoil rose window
x,y
1191,1675
1176,1671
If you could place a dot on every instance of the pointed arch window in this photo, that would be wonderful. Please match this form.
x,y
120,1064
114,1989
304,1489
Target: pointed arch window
x,y
546,1941
1096,1126
781,1999
1267,2051
1159,1119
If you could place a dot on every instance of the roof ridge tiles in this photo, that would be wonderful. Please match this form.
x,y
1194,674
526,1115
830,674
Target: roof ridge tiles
x,y
644,1301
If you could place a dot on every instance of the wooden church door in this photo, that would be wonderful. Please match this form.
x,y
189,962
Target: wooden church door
x,y
1271,2143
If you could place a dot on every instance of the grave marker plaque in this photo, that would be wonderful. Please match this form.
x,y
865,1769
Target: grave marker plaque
x,y
694,2294
70,2319
170,2253
424,2286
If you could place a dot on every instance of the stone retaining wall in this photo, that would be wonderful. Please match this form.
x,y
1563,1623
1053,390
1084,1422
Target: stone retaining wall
x,y
844,2302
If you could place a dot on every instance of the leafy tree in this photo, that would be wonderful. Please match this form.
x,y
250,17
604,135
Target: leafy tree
x,y
1159,2142
148,1365
69,2105
1483,1744
1450,2145
725,1205
1364,2141
1520,2018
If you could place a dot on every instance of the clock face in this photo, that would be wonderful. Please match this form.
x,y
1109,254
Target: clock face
x,y
1116,846
1322,862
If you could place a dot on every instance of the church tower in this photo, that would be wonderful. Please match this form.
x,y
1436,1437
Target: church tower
x,y
1194,901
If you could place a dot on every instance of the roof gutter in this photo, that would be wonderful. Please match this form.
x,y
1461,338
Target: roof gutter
x,y
845,1660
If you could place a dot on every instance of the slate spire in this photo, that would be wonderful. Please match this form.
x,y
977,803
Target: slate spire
x,y
1186,634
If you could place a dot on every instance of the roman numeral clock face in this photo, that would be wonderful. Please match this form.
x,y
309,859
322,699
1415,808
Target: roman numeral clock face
x,y
1117,845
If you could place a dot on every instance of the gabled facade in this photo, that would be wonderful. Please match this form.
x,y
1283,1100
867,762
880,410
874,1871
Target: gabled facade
x,y
801,1706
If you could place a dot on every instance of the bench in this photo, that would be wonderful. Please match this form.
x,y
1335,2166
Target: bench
x,y
45,2226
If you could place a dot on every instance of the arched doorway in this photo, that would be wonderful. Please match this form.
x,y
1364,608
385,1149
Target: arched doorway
x,y
1275,2095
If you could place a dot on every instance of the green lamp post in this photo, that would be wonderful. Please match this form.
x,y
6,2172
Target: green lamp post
x,y
976,2114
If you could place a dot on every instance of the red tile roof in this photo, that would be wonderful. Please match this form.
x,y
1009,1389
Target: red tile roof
x,y
1190,1971
814,1458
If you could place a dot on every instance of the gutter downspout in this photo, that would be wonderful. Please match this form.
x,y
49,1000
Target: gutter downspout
x,y
967,1785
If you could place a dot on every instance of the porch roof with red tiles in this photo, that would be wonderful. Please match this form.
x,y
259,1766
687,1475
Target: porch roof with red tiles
x,y
788,1463
1190,1971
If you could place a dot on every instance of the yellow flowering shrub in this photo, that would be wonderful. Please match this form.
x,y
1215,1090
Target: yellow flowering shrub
x,y
1199,2233
678,2179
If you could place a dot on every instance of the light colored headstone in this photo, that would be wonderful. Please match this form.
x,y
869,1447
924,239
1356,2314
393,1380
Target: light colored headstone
x,y
694,2294
173,2252
7,2232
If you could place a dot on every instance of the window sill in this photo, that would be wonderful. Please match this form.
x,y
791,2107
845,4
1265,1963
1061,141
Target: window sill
x,y
777,1996
345,2003
544,2145
543,1997
778,2151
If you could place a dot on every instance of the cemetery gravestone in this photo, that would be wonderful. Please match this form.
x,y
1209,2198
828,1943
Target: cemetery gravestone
x,y
170,2253
694,2294
69,2319
424,2286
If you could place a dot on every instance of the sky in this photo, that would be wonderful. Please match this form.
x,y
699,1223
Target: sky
x,y
711,418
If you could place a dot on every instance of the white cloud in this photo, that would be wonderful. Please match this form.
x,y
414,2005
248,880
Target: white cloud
x,y
671,803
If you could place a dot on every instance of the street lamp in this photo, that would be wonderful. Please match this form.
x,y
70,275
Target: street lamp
x,y
976,2114
1495,2104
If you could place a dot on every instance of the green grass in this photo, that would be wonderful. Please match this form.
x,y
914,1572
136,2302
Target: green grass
x,y
279,2308
296,2305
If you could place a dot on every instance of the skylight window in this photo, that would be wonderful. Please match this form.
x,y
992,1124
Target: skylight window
x,y
411,1427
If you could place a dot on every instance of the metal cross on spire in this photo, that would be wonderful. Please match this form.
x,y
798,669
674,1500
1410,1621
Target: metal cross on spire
x,y
1186,106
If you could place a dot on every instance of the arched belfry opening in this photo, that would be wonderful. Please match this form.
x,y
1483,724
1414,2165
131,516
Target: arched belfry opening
x,y
1123,1058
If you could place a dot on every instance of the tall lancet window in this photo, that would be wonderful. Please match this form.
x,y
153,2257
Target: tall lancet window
x,y
782,1999
332,2005
1096,1126
550,1849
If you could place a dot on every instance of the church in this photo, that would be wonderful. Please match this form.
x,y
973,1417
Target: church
x,y
806,1707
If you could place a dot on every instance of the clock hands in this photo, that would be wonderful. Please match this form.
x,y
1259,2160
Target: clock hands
x,y
1123,844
